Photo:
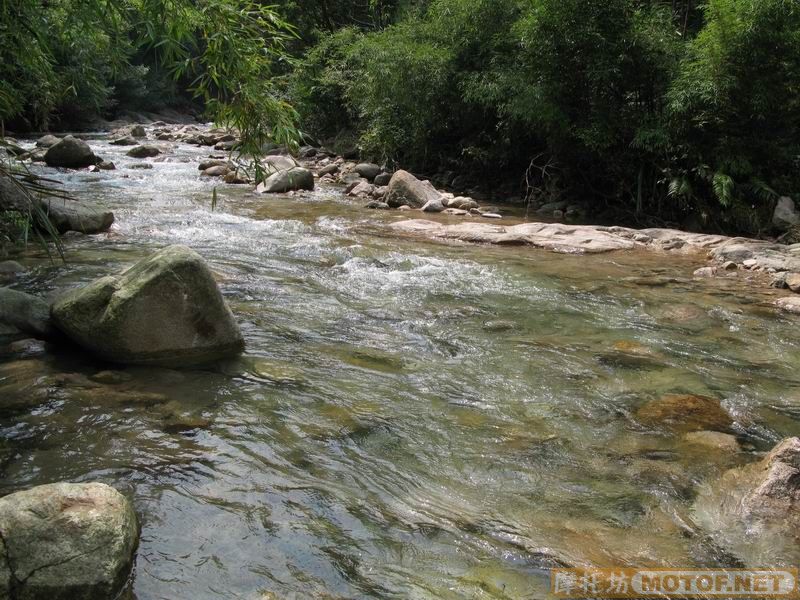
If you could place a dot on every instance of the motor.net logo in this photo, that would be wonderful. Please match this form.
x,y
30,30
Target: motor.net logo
x,y
671,583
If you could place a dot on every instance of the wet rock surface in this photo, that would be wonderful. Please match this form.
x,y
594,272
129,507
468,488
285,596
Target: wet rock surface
x,y
685,413
25,312
754,511
66,541
71,153
166,310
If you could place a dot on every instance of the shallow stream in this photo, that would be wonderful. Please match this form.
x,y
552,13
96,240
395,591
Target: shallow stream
x,y
410,419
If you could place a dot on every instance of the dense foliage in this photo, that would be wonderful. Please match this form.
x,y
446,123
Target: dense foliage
x,y
668,109
64,61
656,110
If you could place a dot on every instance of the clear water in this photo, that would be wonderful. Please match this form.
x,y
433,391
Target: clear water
x,y
410,419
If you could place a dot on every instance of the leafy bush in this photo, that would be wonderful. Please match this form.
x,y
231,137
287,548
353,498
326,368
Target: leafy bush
x,y
661,108
736,106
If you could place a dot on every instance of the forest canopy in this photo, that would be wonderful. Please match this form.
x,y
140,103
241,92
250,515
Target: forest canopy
x,y
660,110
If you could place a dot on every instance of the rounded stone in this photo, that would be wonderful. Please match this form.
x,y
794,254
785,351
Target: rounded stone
x,y
66,541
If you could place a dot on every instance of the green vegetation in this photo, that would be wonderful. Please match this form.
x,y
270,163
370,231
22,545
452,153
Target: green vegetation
x,y
65,62
652,110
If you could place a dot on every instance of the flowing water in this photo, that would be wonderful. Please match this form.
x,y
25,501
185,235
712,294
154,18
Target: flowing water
x,y
410,419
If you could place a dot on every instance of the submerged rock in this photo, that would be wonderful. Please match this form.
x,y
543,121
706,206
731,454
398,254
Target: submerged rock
x,y
405,189
71,153
25,312
685,413
288,180
66,541
713,440
166,310
754,511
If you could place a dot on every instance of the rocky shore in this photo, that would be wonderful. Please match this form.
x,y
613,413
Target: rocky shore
x,y
77,540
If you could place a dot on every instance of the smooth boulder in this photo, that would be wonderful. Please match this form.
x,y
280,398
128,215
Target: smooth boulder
x,y
80,216
25,312
66,541
64,215
71,153
368,171
166,310
278,162
405,189
288,180
433,206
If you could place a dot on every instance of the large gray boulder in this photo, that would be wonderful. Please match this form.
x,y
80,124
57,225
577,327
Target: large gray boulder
x,y
25,312
405,189
785,215
296,178
71,153
74,215
64,215
368,171
754,511
278,162
166,310
66,541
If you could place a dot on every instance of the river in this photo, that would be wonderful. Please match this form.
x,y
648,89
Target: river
x,y
410,419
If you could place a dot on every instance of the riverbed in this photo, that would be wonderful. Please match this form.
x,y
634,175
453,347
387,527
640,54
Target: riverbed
x,y
410,419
